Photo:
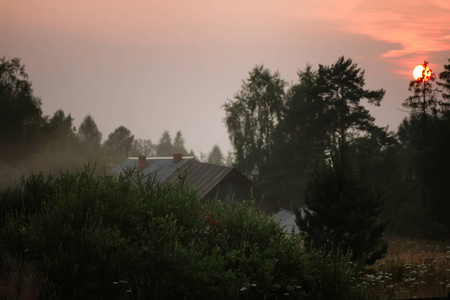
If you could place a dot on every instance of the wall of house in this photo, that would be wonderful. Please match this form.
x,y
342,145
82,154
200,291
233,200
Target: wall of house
x,y
230,186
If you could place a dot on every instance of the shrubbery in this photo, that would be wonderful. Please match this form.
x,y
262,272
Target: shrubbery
x,y
77,236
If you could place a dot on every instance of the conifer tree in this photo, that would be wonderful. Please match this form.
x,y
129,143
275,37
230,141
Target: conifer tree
x,y
90,134
341,210
165,147
216,156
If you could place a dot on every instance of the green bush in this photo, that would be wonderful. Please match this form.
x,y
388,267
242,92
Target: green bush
x,y
94,237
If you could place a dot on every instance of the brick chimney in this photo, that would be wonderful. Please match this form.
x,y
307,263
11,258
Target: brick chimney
x,y
177,157
142,162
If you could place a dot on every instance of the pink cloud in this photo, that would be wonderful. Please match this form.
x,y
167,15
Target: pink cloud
x,y
414,27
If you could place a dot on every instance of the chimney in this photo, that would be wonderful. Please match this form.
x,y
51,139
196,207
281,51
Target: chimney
x,y
142,162
177,157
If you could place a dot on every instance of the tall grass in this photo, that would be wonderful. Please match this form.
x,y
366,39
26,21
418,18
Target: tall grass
x,y
412,268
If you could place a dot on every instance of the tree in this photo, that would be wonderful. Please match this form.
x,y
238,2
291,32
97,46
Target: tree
x,y
178,144
89,133
59,129
216,156
444,76
425,145
424,101
165,147
300,138
323,106
342,210
251,118
143,147
417,134
120,141
230,159
20,112
342,89
423,203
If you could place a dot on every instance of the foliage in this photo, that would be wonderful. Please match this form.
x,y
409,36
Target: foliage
x,y
421,202
89,133
19,279
178,144
59,129
299,140
165,147
341,210
251,118
424,100
411,269
424,203
143,147
216,156
444,82
324,105
343,90
120,141
104,237
20,112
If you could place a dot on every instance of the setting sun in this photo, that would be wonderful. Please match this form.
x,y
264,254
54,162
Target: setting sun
x,y
422,73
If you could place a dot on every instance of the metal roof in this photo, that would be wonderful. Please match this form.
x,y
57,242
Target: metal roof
x,y
202,176
161,167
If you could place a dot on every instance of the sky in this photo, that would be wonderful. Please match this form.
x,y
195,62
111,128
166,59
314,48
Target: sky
x,y
156,65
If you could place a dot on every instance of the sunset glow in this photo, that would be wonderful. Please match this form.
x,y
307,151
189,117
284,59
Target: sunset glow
x,y
392,22
130,62
422,73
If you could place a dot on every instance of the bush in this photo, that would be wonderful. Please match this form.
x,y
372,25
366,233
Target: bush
x,y
128,238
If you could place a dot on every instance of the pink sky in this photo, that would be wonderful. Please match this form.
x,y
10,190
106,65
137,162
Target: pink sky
x,y
170,65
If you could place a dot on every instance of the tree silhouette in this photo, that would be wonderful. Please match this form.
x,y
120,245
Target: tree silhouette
x,y
89,133
119,141
342,210
251,118
178,144
424,101
20,112
323,106
143,147
342,89
216,156
165,147
59,129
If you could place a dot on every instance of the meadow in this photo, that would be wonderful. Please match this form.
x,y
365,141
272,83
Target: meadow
x,y
413,268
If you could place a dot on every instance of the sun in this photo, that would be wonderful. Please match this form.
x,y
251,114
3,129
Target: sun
x,y
417,73
422,73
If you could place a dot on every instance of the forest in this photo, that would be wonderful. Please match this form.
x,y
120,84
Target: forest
x,y
287,138
69,229
33,142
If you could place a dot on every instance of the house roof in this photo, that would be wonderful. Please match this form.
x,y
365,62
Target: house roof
x,y
202,176
161,167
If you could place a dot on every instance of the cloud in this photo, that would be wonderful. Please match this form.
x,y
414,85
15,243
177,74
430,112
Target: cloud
x,y
412,26
442,4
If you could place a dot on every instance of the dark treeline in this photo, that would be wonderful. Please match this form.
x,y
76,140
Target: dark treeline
x,y
33,142
285,136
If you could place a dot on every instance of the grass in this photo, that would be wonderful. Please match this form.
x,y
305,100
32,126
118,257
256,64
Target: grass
x,y
411,269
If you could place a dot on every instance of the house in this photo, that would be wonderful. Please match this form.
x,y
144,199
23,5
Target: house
x,y
208,179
